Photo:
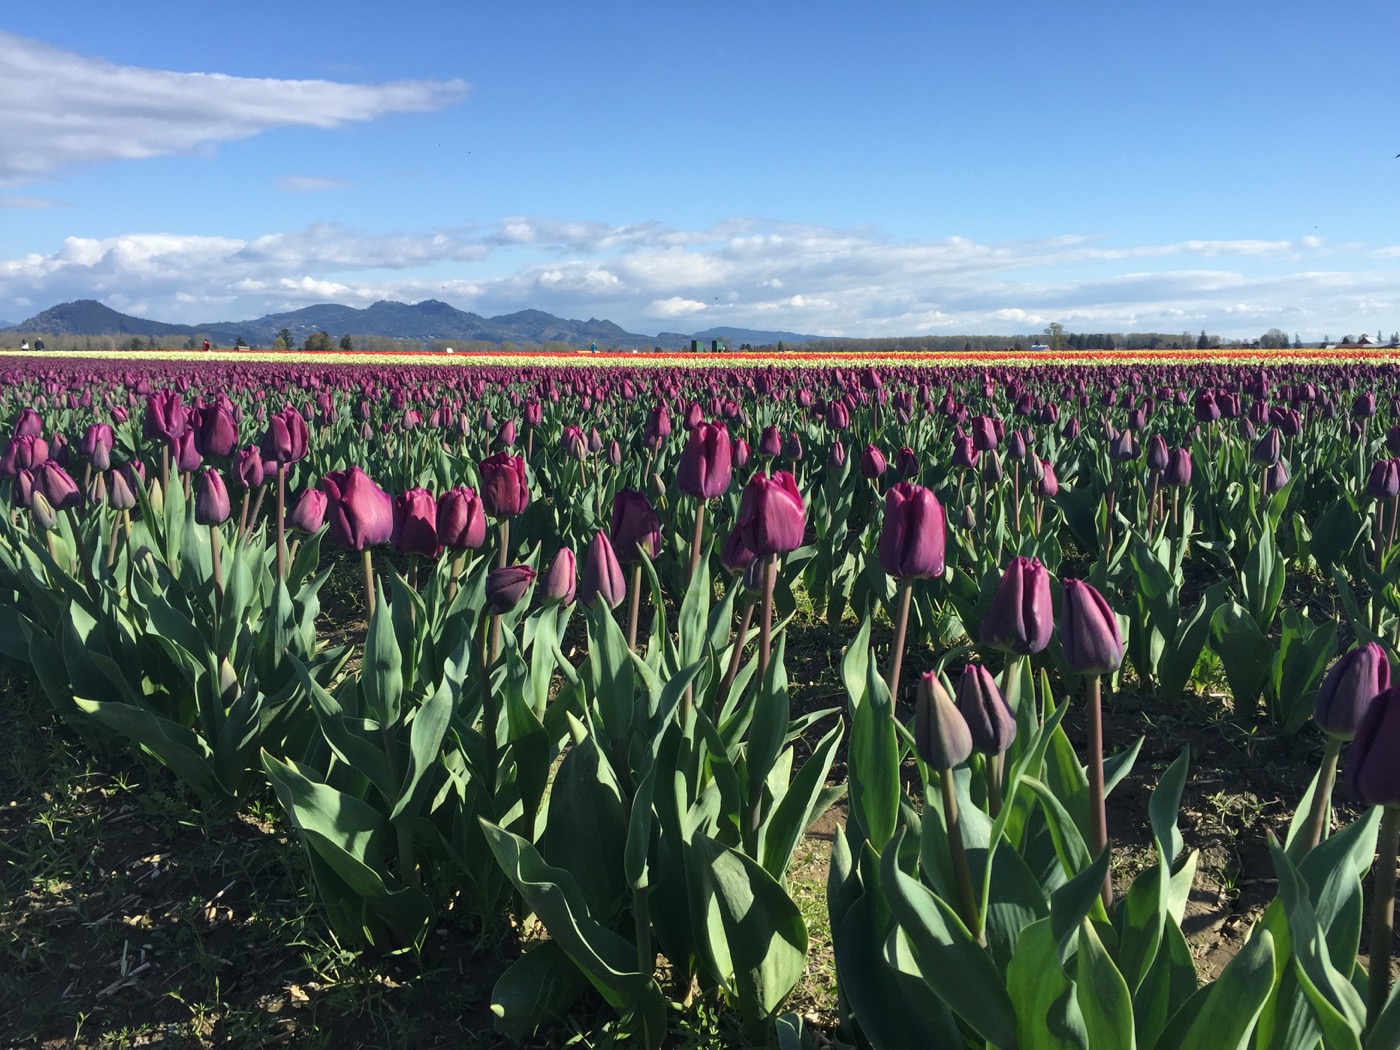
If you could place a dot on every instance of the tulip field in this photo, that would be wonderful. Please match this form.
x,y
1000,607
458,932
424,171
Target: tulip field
x,y
556,677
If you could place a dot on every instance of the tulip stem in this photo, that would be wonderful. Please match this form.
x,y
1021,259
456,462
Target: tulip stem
x,y
634,602
735,657
243,516
281,521
1098,814
1383,914
1319,816
367,564
765,622
257,506
901,625
697,538
957,853
215,557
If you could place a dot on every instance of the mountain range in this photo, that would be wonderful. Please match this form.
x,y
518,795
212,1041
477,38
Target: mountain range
x,y
427,320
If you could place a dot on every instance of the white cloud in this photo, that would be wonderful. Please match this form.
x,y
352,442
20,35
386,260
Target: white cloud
x,y
309,184
62,108
744,272
675,306
21,202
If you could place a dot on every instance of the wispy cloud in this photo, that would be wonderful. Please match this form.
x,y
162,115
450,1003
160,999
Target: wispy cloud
x,y
310,184
21,202
744,272
62,108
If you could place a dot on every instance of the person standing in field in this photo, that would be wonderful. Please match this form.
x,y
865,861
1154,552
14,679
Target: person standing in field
x,y
206,346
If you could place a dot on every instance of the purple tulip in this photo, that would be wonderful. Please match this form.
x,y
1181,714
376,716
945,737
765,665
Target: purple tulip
x,y
211,504
634,525
1349,688
308,514
1089,631
1373,767
560,580
504,490
461,520
872,462
361,514
772,514
602,577
506,586
1021,617
990,722
705,468
913,535
414,530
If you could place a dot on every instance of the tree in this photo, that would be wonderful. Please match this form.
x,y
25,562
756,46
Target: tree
x,y
1203,343
1056,334
318,341
345,343
1297,341
284,334
1274,339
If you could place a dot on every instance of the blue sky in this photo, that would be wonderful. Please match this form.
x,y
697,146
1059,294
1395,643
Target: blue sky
x,y
820,167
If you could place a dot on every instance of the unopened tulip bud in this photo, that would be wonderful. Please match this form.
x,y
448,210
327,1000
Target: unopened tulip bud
x,y
989,721
1089,631
602,578
1021,617
506,586
560,581
941,734
1349,688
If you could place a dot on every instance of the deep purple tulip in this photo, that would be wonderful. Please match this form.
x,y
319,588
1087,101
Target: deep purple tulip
x,y
285,440
634,525
990,722
57,486
837,416
772,514
28,424
706,464
1349,688
1266,453
836,456
872,462
1178,472
983,432
560,580
415,524
735,555
361,514
1021,617
96,446
506,586
1373,767
1275,478
913,535
770,442
1384,481
965,453
602,577
740,453
575,444
248,467
504,490
185,454
1089,631
1157,453
906,462
217,433
1049,485
211,504
461,520
308,514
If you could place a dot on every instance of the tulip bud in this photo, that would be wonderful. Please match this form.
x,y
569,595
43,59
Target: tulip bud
x,y
504,491
285,440
602,577
415,524
941,734
1275,477
560,580
1089,631
211,503
772,514
506,586
1157,453
705,468
906,462
1349,688
872,462
461,523
1178,472
45,517
770,442
836,456
57,486
360,513
119,494
308,514
913,535
1384,482
1266,452
1021,616
1373,767
990,722
634,525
